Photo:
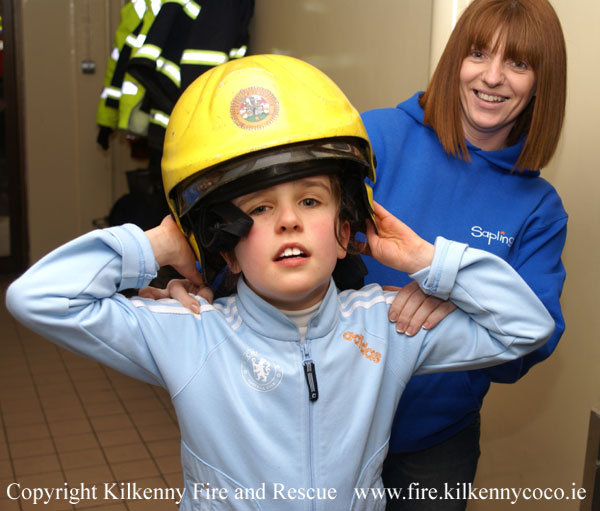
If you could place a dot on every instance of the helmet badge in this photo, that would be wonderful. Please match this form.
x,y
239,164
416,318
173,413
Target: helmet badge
x,y
254,108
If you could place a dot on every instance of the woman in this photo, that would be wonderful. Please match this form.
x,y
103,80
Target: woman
x,y
461,161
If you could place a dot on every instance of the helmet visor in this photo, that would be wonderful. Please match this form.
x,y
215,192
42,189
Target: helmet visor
x,y
193,190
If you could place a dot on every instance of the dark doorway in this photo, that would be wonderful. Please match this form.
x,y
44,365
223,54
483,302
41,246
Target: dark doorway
x,y
13,219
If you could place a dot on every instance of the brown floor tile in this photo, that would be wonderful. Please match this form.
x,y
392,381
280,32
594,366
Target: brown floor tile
x,y
10,398
66,399
83,458
15,376
4,483
174,480
99,382
76,443
53,505
96,475
28,432
3,451
159,432
56,389
168,447
143,404
6,471
111,422
16,405
31,448
129,470
104,408
151,418
101,506
73,359
24,417
44,378
46,368
149,505
128,452
13,365
120,378
118,437
98,394
9,505
168,464
61,414
87,373
36,465
70,427
136,390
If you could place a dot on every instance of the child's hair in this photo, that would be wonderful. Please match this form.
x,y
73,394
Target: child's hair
x,y
347,193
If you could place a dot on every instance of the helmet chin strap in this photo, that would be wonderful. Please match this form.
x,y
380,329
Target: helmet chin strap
x,y
220,226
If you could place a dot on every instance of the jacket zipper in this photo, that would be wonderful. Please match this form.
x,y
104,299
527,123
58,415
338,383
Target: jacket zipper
x,y
310,373
313,395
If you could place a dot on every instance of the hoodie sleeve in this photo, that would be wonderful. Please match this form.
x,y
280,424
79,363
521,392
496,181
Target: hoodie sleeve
x,y
71,297
500,317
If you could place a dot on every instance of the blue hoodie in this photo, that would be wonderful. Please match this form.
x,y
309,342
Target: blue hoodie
x,y
485,203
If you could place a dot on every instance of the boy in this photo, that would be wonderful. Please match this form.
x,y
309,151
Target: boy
x,y
285,391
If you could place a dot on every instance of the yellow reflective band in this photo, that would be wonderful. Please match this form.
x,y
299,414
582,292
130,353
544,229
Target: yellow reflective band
x,y
129,88
238,53
148,51
135,42
169,69
159,118
191,8
204,57
155,5
110,92
140,7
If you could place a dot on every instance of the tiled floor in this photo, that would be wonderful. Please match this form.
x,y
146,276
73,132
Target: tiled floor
x,y
67,422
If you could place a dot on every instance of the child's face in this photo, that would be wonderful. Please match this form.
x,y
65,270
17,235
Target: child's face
x,y
291,249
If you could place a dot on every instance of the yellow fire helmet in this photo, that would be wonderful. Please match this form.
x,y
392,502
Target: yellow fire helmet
x,y
249,124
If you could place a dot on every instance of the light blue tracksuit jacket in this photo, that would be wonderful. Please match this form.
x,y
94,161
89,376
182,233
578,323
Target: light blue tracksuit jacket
x,y
297,425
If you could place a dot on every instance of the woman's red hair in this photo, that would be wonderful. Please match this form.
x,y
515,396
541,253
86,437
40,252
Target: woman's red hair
x,y
530,31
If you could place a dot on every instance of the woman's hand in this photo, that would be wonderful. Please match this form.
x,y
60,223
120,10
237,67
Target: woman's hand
x,y
399,247
180,290
396,245
412,309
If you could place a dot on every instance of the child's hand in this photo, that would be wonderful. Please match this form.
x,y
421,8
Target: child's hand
x,y
396,245
172,248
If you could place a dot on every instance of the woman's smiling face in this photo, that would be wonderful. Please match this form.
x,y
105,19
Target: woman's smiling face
x,y
494,90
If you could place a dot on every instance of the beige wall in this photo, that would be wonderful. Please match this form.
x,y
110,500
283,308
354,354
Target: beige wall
x,y
378,52
534,433
70,180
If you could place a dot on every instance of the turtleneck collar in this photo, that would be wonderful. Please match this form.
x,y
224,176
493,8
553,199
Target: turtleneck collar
x,y
270,322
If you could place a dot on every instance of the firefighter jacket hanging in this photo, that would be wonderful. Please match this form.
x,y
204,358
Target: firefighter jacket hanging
x,y
161,46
